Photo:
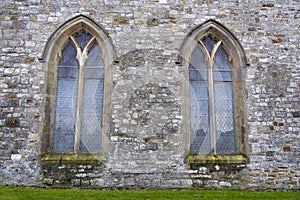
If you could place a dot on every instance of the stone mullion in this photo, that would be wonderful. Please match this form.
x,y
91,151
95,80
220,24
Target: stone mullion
x,y
79,109
212,119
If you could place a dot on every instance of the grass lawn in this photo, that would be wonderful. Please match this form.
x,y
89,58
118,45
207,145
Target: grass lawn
x,y
8,193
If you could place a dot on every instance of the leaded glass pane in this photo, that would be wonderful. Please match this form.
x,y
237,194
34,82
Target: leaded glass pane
x,y
197,74
95,56
94,66
222,69
64,129
209,43
223,94
222,76
66,100
94,73
199,103
91,116
91,120
67,72
83,38
198,68
199,118
225,128
66,94
69,56
221,60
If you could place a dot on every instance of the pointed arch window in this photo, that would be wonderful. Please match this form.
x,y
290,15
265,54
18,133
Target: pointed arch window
x,y
212,123
79,96
216,121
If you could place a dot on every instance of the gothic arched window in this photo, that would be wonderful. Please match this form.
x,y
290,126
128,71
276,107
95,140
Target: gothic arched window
x,y
212,126
214,107
79,96
77,60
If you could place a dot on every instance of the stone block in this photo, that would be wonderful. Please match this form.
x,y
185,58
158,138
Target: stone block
x,y
224,184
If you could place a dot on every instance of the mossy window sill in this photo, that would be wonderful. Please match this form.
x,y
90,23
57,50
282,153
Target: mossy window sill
x,y
198,159
73,158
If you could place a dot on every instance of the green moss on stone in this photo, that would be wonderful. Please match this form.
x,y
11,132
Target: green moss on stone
x,y
79,158
216,159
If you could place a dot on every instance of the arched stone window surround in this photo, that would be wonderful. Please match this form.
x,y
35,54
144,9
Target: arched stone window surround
x,y
50,59
238,63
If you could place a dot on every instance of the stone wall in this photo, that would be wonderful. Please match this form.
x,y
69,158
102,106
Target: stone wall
x,y
146,141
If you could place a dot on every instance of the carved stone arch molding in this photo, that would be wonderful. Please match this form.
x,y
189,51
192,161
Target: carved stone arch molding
x,y
50,59
216,30
238,62
60,37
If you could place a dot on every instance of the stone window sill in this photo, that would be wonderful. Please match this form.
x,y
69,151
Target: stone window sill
x,y
198,160
73,158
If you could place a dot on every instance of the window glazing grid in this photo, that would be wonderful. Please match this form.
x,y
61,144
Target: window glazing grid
x,y
79,98
212,128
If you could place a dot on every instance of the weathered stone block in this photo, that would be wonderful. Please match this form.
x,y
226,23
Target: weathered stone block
x,y
12,122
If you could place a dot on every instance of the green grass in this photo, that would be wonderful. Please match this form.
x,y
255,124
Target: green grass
x,y
9,193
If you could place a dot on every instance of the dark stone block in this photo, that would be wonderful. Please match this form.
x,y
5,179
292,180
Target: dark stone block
x,y
270,153
286,149
269,5
12,122
152,146
296,114
153,22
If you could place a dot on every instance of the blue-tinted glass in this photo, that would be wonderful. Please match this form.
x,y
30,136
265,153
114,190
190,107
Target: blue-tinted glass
x,y
199,117
67,72
224,116
197,74
94,73
223,94
64,131
209,43
198,67
65,111
66,94
95,56
199,103
226,142
66,100
198,91
94,68
91,120
83,38
222,75
92,108
69,56
221,60
222,69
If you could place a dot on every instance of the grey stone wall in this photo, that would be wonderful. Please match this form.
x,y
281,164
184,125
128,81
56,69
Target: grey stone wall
x,y
146,145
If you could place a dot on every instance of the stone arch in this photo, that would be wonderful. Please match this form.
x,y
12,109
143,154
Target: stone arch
x,y
50,59
59,38
216,29
238,61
